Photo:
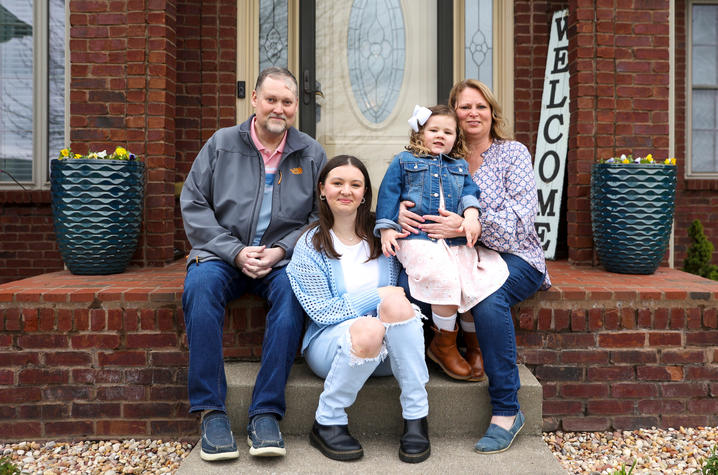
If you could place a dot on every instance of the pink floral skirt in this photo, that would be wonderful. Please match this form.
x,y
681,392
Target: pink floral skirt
x,y
451,275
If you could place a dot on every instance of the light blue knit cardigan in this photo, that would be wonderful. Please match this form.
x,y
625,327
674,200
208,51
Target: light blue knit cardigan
x,y
318,283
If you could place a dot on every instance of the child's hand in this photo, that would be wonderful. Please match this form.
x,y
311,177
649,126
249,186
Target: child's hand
x,y
472,228
389,244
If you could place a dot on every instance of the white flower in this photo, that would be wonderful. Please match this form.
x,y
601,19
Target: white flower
x,y
623,156
102,154
611,160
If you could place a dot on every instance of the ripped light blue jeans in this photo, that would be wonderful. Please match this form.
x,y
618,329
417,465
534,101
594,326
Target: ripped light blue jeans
x,y
330,357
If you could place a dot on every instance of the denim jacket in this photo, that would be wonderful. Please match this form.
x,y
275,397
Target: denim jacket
x,y
417,179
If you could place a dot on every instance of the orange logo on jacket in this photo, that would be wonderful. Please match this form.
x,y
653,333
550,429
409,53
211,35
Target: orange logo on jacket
x,y
296,171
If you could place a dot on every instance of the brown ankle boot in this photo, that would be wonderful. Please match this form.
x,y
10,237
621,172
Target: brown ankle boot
x,y
473,357
443,351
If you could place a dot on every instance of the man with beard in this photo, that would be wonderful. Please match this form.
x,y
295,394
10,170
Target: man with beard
x,y
248,195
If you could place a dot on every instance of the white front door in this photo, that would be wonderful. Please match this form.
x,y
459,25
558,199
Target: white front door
x,y
374,61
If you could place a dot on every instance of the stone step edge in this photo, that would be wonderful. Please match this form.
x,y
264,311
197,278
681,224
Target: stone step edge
x,y
447,416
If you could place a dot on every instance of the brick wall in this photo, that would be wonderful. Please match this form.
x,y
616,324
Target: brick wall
x,y
72,367
633,359
74,371
107,357
27,239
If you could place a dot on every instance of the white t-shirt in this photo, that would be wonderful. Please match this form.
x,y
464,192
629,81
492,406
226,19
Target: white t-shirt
x,y
358,274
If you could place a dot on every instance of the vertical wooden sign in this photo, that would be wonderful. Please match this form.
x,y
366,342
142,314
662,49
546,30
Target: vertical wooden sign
x,y
552,141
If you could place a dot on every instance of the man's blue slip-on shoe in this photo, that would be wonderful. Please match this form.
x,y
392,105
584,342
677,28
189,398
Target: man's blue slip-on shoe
x,y
264,437
498,439
217,439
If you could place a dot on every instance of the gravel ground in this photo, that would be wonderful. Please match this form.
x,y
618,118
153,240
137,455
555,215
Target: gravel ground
x,y
97,458
670,451
658,451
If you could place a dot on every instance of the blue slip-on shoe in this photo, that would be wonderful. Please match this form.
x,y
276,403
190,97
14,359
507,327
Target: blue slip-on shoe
x,y
498,439
217,439
264,437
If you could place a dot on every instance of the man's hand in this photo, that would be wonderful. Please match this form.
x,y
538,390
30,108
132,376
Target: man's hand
x,y
257,261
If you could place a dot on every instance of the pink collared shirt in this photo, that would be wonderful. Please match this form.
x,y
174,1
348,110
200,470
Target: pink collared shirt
x,y
271,159
271,164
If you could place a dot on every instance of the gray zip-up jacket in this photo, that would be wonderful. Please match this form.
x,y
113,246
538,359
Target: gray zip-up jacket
x,y
222,195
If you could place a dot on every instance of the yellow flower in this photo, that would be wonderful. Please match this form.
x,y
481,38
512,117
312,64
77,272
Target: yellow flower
x,y
649,157
77,155
625,160
120,151
673,161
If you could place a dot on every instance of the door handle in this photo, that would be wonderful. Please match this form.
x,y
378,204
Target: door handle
x,y
310,89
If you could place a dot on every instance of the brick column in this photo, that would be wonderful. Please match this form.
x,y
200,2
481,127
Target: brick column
x,y
618,54
122,92
206,72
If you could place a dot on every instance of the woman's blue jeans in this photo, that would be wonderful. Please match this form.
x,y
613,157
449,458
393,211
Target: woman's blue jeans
x,y
495,332
209,286
330,357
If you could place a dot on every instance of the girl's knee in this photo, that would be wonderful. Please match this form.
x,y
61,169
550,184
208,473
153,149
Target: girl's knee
x,y
395,309
367,337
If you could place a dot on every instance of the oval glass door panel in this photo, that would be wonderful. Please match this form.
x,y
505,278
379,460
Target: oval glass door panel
x,y
368,99
376,56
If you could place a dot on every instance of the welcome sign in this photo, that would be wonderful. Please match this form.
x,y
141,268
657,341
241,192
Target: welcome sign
x,y
552,141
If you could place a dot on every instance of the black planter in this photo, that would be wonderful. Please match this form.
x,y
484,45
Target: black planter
x,y
632,214
97,212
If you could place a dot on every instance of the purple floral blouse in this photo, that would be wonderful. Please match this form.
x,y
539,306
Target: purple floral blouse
x,y
509,203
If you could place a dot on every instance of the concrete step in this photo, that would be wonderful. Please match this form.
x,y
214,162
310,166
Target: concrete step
x,y
528,455
455,408
459,413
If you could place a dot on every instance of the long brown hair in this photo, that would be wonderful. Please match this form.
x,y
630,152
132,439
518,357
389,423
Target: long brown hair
x,y
365,219
499,127
416,142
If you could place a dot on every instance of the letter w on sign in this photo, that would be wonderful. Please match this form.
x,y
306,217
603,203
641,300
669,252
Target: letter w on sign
x,y
552,141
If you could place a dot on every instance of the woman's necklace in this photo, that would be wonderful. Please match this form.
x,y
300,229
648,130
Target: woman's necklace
x,y
353,239
350,240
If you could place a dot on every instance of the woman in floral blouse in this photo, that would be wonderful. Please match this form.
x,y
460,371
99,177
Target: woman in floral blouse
x,y
503,170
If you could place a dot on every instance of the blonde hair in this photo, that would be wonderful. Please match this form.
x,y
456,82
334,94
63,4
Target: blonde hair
x,y
416,143
499,129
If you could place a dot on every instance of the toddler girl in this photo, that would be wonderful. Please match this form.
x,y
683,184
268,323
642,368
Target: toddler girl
x,y
449,274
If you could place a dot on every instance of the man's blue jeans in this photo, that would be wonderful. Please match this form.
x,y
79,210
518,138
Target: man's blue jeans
x,y
208,287
495,332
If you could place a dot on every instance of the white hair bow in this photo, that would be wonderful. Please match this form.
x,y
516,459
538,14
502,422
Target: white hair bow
x,y
419,117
